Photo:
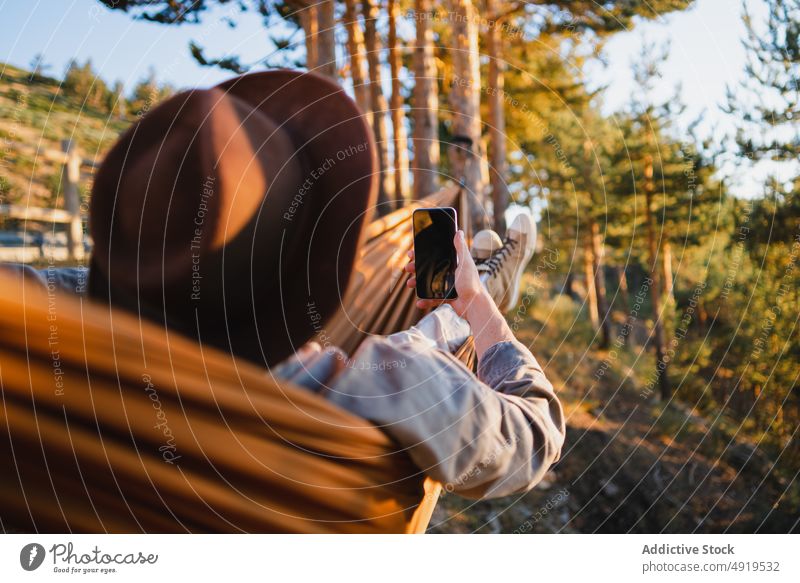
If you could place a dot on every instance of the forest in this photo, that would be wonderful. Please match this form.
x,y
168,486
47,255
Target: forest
x,y
665,306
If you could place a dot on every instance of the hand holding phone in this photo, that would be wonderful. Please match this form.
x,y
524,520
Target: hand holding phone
x,y
435,254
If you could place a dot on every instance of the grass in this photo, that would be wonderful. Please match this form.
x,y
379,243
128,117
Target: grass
x,y
36,112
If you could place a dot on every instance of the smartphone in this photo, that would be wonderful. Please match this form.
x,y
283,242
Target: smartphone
x,y
434,253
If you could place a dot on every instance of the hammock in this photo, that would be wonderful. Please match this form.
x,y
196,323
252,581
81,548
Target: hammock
x,y
112,424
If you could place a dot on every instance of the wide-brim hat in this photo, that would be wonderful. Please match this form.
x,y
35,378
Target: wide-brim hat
x,y
234,214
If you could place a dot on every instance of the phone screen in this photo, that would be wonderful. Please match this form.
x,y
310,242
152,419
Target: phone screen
x,y
434,252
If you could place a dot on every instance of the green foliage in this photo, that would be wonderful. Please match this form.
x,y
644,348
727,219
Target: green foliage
x,y
686,192
165,12
38,111
743,361
81,82
283,51
5,189
229,63
732,336
541,88
147,94
768,101
598,18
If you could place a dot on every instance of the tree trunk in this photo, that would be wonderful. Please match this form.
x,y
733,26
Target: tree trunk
x,y
326,55
355,46
497,120
597,247
426,105
309,20
655,286
600,283
569,287
626,301
399,135
666,263
465,102
386,202
702,313
591,289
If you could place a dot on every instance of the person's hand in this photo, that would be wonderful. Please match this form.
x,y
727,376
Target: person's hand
x,y
467,282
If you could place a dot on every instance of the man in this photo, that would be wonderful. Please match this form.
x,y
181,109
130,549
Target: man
x,y
222,212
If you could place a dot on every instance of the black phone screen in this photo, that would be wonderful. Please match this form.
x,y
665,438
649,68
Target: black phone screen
x,y
434,252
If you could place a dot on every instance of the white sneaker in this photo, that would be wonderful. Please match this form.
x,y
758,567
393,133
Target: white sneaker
x,y
484,244
523,231
502,271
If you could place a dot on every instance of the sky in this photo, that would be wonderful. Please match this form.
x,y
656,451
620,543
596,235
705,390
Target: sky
x,y
706,57
706,54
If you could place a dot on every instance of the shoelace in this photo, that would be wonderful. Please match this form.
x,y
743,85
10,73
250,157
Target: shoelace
x,y
492,264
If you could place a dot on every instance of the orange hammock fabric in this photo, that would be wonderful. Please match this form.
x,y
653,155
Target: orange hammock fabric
x,y
112,424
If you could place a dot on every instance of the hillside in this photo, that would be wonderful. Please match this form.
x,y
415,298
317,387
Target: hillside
x,y
35,116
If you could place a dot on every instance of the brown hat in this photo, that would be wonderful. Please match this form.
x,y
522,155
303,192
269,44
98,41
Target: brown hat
x,y
233,214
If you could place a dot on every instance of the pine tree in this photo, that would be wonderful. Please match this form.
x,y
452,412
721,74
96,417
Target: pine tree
x,y
425,136
654,198
116,103
577,145
82,82
509,22
465,101
768,100
38,67
399,134
378,105
147,93
762,301
356,51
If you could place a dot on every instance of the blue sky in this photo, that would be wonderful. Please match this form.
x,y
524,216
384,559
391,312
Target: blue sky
x,y
706,53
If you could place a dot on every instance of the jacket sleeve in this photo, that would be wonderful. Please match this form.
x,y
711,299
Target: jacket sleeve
x,y
486,436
